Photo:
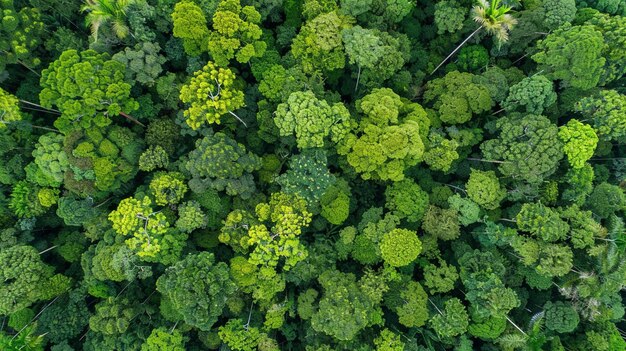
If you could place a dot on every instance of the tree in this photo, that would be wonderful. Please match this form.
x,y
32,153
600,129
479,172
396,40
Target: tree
x,y
457,97
168,188
440,279
443,223
161,339
606,112
532,95
143,63
26,279
560,317
469,211
389,341
308,176
449,16
484,188
407,200
190,217
384,144
318,46
221,163
400,247
20,35
197,288
412,306
573,54
211,95
68,84
452,321
190,25
10,109
542,221
236,33
240,336
579,142
312,120
286,216
343,308
527,148
50,157
103,12
606,199
494,18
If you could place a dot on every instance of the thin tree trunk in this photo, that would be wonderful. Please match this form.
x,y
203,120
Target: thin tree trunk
x,y
131,119
456,49
358,76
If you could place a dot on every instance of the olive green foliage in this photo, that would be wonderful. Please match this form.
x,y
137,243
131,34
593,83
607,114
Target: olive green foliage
x,y
210,95
196,288
88,88
452,321
10,109
606,111
318,46
223,164
407,200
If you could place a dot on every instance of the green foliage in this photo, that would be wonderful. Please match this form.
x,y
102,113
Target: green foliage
x,y
168,188
21,33
318,46
528,148
197,288
312,120
239,336
407,200
440,279
308,176
542,222
579,142
153,158
10,109
221,163
560,317
573,54
533,95
400,247
457,97
68,84
607,113
384,144
210,94
484,188
236,33
26,279
606,199
161,339
24,200
143,63
190,217
190,25
452,321
443,223
389,341
412,306
449,16
343,310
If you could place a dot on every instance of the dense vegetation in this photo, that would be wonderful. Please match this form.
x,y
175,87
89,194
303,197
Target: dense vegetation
x,y
316,175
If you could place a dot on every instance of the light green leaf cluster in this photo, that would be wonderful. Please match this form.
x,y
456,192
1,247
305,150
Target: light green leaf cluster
x,y
579,142
312,120
210,95
88,88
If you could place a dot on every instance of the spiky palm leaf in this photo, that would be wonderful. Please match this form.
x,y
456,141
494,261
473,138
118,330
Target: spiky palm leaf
x,y
494,18
100,12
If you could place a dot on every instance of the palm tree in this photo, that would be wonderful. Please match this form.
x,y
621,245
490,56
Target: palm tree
x,y
494,18
100,12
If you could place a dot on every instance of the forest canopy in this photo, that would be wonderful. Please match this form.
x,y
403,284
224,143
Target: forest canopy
x,y
312,175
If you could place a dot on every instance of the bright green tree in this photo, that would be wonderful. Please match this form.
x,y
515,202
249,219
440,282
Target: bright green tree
x,y
407,200
606,111
10,109
579,142
88,88
533,94
21,32
161,339
484,188
210,95
400,247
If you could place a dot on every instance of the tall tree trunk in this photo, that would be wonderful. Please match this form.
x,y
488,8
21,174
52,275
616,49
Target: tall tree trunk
x,y
456,49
